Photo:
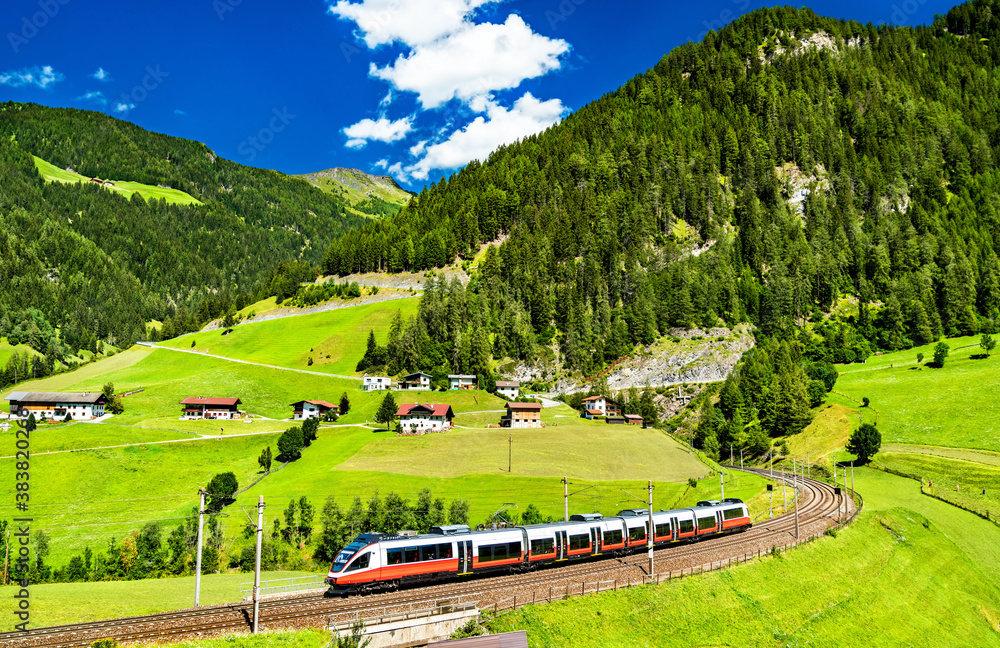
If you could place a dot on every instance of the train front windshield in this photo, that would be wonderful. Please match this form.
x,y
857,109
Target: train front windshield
x,y
346,554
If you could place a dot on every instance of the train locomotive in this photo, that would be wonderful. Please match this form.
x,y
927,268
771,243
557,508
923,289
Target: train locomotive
x,y
380,562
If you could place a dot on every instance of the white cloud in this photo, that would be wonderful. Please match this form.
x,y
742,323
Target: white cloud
x,y
473,62
381,164
101,75
386,100
381,130
94,95
412,22
122,107
482,136
418,148
178,111
40,77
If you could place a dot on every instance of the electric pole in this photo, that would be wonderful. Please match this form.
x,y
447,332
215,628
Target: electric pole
x,y
722,486
784,493
256,571
565,482
649,534
795,482
510,450
197,568
730,454
771,453
808,467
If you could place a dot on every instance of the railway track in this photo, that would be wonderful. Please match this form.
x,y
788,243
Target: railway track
x,y
818,510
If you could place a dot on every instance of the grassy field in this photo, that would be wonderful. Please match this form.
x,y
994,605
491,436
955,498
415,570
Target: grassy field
x,y
911,571
335,339
52,173
60,603
953,480
950,406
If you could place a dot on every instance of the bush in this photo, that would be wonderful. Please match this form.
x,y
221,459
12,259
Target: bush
x,y
290,444
692,482
220,491
865,402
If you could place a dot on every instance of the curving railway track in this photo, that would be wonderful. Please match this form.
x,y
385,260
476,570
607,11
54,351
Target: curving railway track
x,y
819,509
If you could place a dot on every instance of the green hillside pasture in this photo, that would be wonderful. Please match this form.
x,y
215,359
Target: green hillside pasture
x,y
83,498
7,350
78,436
587,451
335,339
961,482
911,571
61,603
953,406
830,428
52,173
168,377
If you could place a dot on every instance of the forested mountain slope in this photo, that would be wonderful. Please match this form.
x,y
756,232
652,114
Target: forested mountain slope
x,y
782,165
96,265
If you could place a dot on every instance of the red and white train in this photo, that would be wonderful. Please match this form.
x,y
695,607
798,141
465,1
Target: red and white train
x,y
374,561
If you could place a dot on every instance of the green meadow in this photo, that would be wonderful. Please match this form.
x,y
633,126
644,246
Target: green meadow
x,y
911,571
52,173
331,338
952,406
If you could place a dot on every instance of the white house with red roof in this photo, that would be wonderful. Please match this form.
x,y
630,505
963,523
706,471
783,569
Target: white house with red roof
x,y
307,409
599,406
201,407
509,389
424,417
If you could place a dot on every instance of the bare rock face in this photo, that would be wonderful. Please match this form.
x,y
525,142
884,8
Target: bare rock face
x,y
686,356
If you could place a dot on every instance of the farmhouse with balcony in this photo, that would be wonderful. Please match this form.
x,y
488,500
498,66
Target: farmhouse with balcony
x,y
54,405
461,381
424,417
418,381
307,409
201,407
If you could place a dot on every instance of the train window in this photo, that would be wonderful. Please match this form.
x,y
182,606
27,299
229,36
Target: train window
x,y
663,529
360,563
514,549
637,533
732,514
428,553
444,550
394,557
686,526
488,553
412,554
579,541
706,523
542,547
612,537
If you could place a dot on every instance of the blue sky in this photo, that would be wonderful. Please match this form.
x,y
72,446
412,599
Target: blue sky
x,y
416,88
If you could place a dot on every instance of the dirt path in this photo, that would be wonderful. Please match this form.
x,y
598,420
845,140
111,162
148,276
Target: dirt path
x,y
247,362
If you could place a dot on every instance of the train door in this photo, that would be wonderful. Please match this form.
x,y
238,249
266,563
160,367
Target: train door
x,y
674,531
561,545
464,556
718,520
595,540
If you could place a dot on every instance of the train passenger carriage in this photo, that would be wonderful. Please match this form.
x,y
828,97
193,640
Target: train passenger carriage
x,y
379,561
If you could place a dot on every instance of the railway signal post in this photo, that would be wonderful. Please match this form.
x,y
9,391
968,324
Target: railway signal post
x,y
256,569
197,568
795,496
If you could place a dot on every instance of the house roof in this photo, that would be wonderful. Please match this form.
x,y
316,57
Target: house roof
x,y
203,400
595,412
516,639
508,383
316,403
89,398
467,376
633,416
419,373
528,407
432,409
592,398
